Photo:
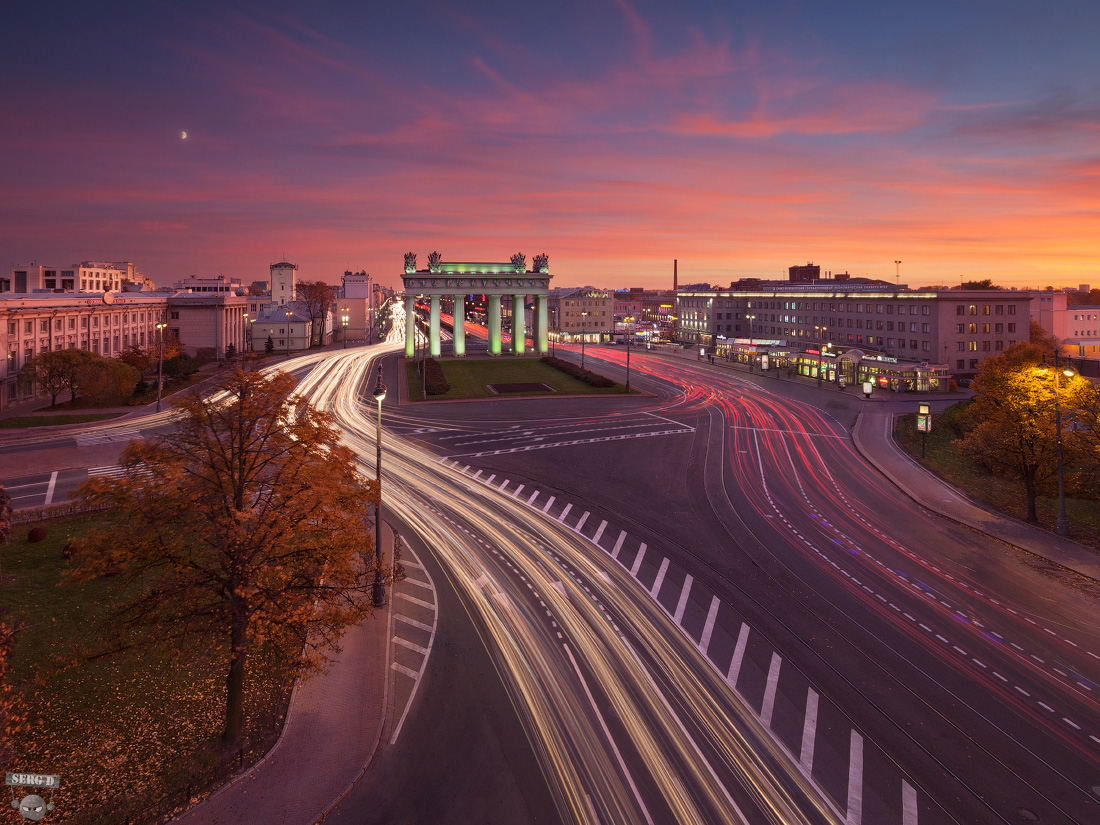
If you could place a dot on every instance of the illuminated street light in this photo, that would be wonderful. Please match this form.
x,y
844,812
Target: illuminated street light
x,y
752,355
288,314
820,350
897,273
160,361
378,591
344,323
1061,525
584,324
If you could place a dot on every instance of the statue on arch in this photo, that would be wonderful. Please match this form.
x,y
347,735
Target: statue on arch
x,y
434,260
519,262
410,263
541,263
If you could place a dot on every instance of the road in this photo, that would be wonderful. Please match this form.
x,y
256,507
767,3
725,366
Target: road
x,y
701,605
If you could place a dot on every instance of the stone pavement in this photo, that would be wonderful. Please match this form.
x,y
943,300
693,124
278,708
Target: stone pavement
x,y
873,437
332,731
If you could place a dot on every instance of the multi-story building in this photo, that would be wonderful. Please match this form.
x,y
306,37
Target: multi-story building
x,y
1083,330
953,328
107,324
355,302
87,276
220,285
585,312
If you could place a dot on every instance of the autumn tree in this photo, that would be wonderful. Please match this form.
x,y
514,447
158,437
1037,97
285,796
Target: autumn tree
x,y
136,357
55,372
317,297
104,378
13,716
5,515
245,526
1011,422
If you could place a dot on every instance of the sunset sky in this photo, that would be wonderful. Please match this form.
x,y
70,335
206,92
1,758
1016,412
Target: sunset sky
x,y
961,137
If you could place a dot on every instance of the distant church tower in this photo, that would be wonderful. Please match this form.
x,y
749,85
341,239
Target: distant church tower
x,y
283,285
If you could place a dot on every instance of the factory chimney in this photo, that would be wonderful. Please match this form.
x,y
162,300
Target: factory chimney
x,y
674,262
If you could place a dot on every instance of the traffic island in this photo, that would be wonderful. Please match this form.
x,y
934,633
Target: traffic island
x,y
477,377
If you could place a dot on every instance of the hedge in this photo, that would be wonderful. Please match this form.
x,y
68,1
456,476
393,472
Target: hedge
x,y
569,368
435,382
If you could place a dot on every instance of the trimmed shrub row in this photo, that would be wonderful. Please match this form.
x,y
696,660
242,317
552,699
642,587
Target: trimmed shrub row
x,y
569,368
435,382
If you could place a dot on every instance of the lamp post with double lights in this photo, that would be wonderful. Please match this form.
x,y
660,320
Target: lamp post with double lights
x,y
1061,525
584,326
288,315
378,589
629,341
897,273
160,361
344,324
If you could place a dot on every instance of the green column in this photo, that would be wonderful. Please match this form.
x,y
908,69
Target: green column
x,y
410,326
517,324
433,342
494,325
460,326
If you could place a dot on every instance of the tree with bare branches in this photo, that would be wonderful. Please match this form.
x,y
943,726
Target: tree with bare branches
x,y
317,297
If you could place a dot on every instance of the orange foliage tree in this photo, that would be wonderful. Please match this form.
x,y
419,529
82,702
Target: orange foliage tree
x,y
247,525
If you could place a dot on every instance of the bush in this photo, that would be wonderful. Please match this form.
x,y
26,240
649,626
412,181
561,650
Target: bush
x,y
435,382
587,376
181,366
103,378
71,548
36,535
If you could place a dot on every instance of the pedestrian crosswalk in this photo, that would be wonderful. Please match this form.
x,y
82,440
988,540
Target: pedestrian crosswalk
x,y
415,618
105,437
831,755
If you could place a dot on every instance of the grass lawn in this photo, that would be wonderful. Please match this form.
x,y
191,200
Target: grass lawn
x,y
134,725
1003,494
19,421
469,378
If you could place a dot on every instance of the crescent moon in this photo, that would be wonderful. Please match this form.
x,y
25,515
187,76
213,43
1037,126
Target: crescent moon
x,y
183,135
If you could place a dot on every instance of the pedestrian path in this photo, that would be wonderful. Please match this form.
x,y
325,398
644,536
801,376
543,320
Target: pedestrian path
x,y
335,722
853,773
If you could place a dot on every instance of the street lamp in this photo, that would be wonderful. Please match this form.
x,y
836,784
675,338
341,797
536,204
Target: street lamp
x,y
820,350
629,341
288,314
1061,525
897,273
584,324
750,319
378,590
160,361
344,323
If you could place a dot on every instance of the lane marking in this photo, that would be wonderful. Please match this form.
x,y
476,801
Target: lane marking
x,y
565,512
49,490
681,605
599,532
580,523
423,651
414,600
908,804
489,480
518,489
548,503
809,733
400,668
738,655
660,578
534,495
638,561
855,781
413,622
708,627
618,545
768,707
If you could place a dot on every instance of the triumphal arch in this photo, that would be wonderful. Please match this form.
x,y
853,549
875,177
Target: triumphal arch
x,y
459,280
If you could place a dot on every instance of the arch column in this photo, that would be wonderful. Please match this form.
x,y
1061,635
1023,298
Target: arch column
x,y
494,325
459,344
433,343
517,324
542,335
410,326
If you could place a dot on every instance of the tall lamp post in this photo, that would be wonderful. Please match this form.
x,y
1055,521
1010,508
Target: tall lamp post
x,y
160,361
629,341
288,314
584,326
897,273
378,590
344,324
1061,525
752,355
820,350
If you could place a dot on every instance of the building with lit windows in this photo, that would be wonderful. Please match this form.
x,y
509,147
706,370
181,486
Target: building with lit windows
x,y
581,312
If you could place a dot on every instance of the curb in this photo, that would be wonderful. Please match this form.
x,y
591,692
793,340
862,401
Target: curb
x,y
868,456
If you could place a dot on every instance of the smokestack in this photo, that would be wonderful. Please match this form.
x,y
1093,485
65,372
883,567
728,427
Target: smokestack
x,y
674,262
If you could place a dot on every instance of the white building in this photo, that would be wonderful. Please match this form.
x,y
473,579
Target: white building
x,y
220,285
284,277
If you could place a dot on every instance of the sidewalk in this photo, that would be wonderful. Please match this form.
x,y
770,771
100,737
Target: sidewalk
x,y
331,733
873,437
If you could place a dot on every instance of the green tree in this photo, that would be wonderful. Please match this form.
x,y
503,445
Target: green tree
x,y
57,371
984,283
231,351
245,526
269,346
1011,422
